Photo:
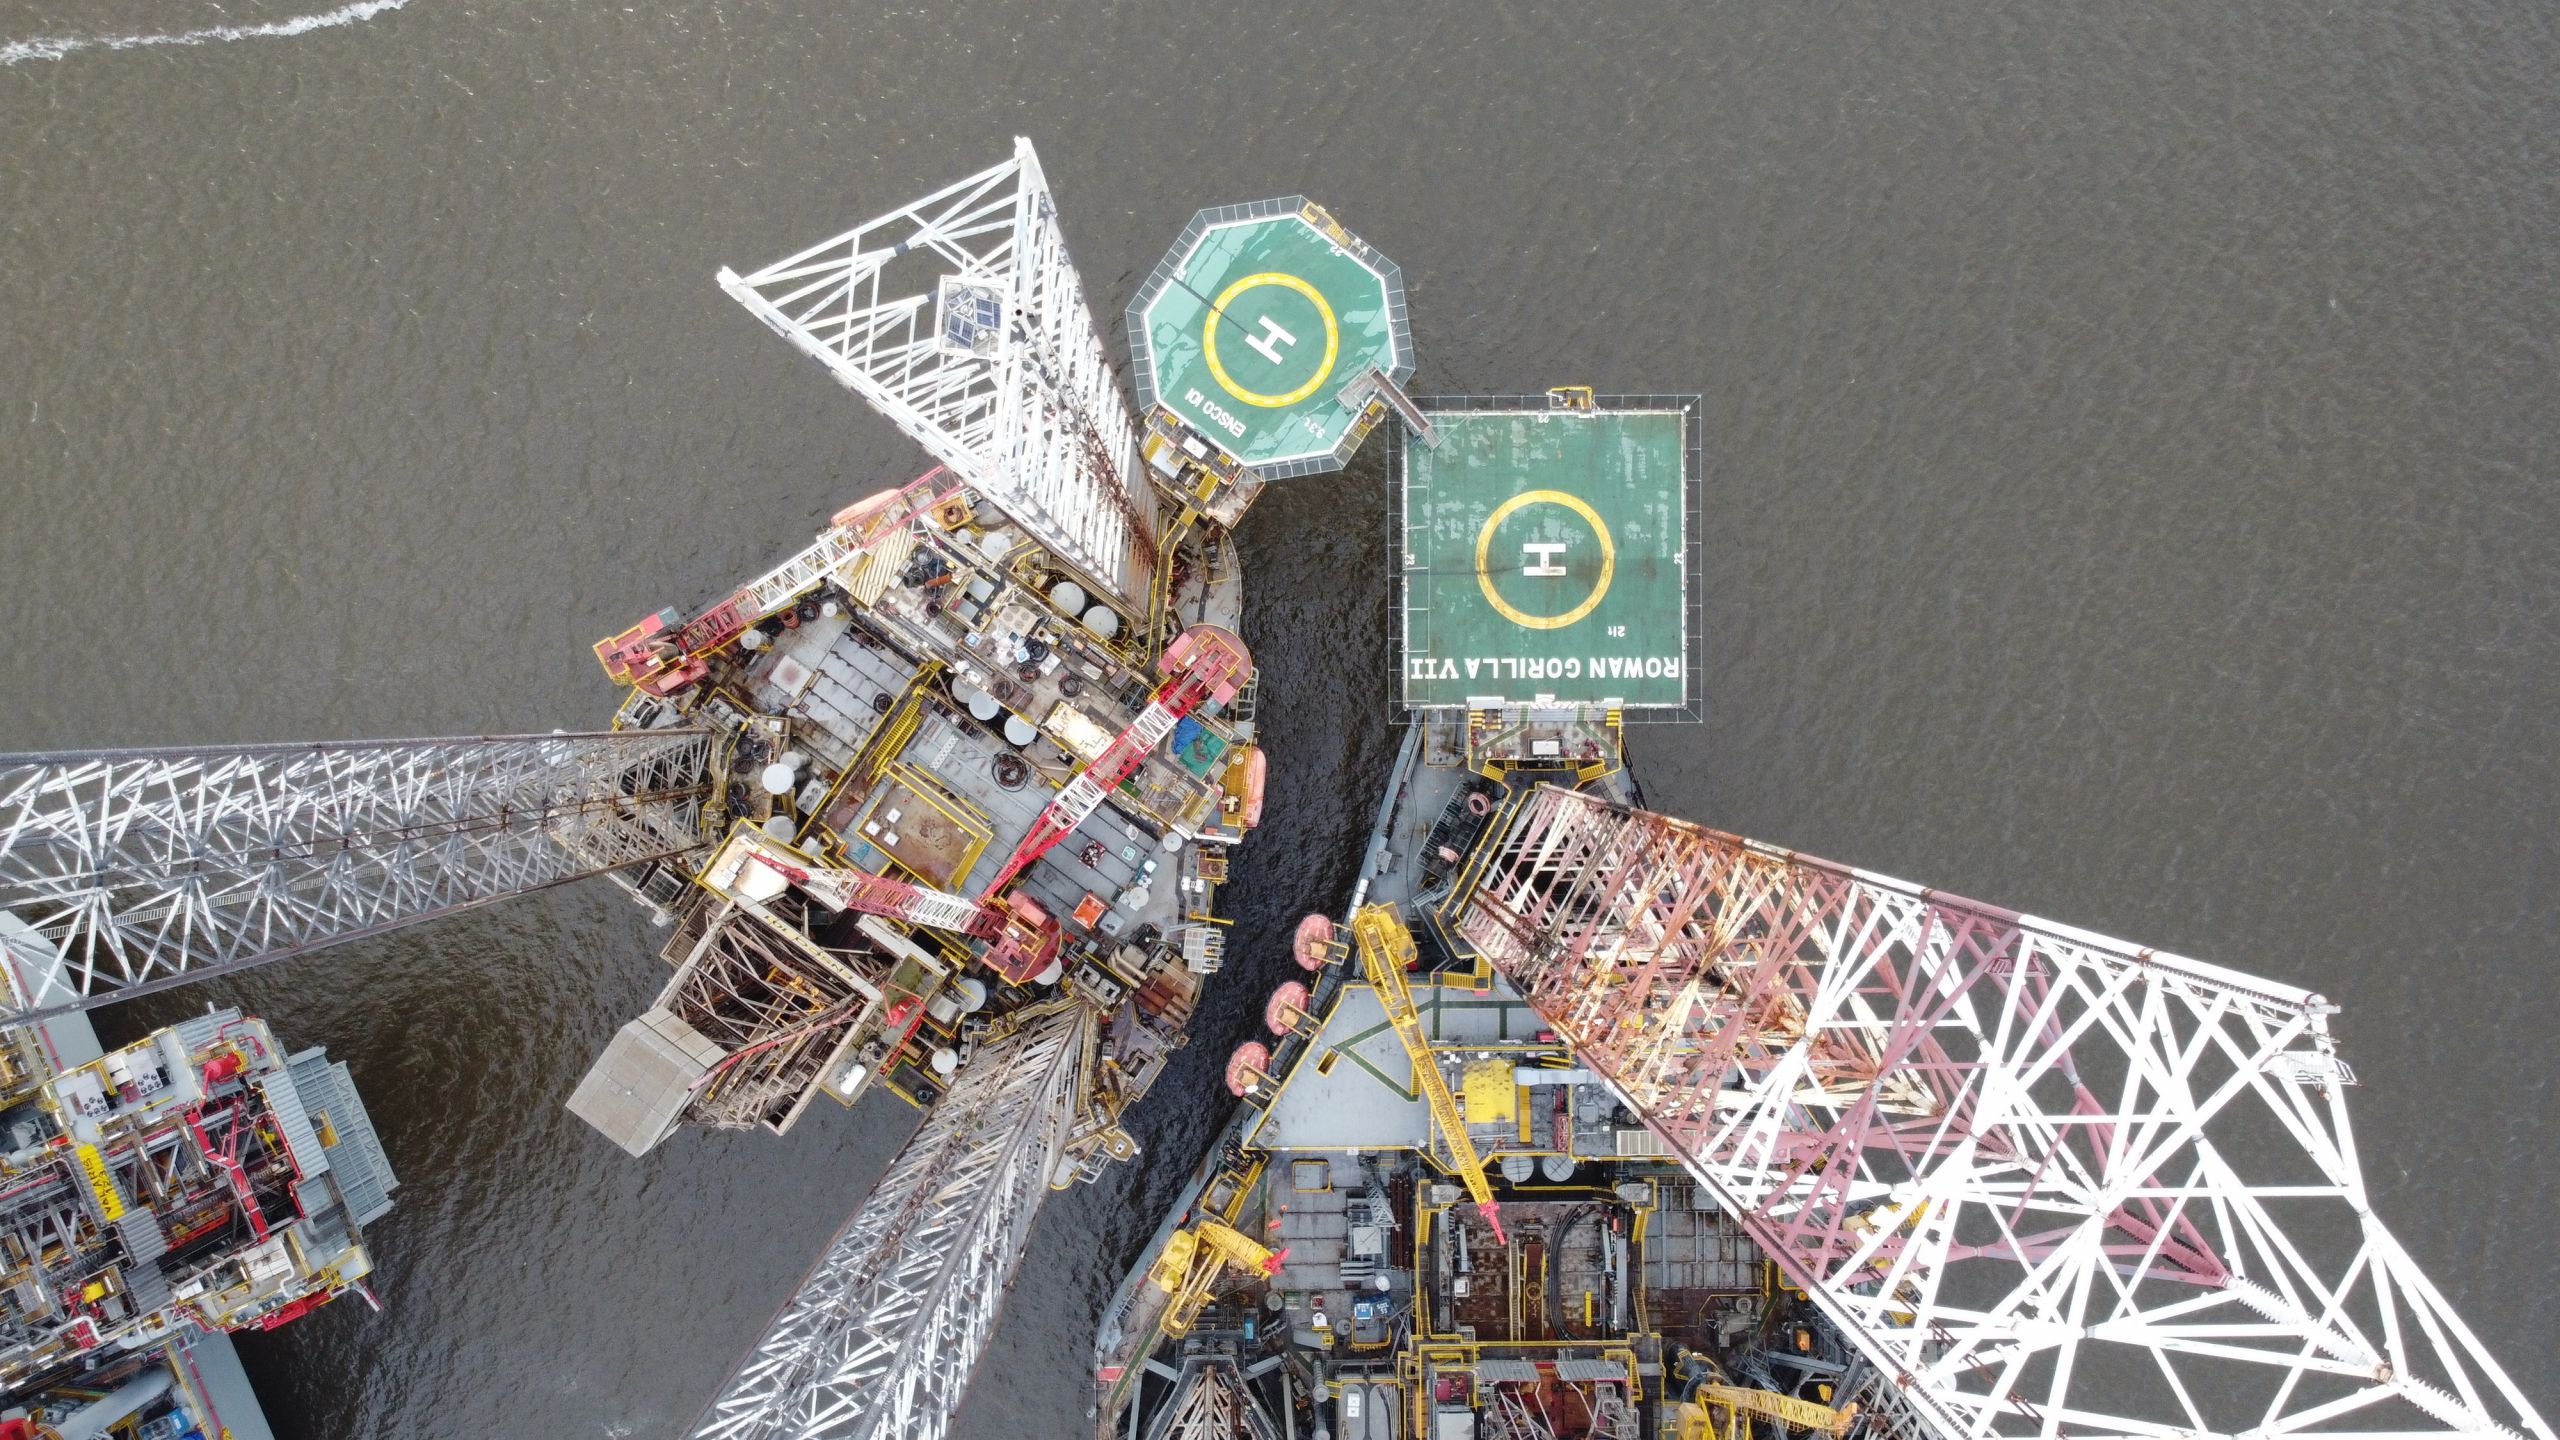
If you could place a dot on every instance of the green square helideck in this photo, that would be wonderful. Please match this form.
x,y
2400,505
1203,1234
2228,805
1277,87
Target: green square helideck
x,y
1544,560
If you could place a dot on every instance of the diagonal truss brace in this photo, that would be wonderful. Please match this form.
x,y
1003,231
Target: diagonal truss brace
x,y
960,318
880,1339
2051,1181
152,868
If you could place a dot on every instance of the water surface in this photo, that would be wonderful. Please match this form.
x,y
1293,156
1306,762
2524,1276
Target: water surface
x,y
2130,455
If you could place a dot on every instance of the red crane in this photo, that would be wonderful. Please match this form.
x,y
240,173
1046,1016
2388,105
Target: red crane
x,y
1204,665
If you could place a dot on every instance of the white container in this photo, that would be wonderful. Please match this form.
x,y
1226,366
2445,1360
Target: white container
x,y
1102,620
1018,731
777,779
1068,596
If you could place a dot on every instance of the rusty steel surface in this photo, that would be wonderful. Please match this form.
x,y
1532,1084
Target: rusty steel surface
x,y
2049,1180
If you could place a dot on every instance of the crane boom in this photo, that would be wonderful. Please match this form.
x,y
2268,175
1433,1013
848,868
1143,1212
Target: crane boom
x,y
1386,948
1999,1153
1697,1418
1193,1260
1204,664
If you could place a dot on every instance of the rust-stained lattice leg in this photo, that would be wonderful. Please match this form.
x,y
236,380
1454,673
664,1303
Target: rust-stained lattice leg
x,y
2049,1180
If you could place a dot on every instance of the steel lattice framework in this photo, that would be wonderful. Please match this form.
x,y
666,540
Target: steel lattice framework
x,y
1211,1403
880,1339
2049,1180
151,868
994,366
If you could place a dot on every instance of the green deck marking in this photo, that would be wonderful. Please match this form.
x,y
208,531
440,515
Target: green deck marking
x,y
1252,327
1544,560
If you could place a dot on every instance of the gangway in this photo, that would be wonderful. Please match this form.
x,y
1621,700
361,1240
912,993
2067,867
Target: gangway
x,y
1374,383
1386,948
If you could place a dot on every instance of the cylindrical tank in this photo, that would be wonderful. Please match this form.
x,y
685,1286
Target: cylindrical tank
x,y
1068,596
777,779
1018,731
1102,620
946,1060
780,827
1518,1168
1557,1168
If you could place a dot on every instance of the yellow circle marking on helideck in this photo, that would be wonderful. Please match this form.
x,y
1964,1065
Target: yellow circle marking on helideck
x,y
1217,312
1484,547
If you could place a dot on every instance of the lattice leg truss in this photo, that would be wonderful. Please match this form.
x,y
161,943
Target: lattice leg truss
x,y
961,318
1211,1403
880,1339
2051,1181
150,868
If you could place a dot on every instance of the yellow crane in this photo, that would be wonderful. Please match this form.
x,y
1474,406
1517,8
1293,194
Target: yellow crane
x,y
1386,948
1192,1262
1698,1416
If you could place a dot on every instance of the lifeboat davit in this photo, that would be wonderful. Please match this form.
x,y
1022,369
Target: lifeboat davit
x,y
1315,935
1287,1007
1248,1067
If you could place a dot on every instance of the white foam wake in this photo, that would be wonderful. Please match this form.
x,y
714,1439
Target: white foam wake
x,y
56,47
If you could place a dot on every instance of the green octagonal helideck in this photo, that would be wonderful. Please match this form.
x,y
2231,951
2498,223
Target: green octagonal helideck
x,y
1256,321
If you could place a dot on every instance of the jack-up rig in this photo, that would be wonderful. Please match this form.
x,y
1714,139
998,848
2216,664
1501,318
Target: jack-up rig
x,y
1738,1141
939,805
1587,1123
